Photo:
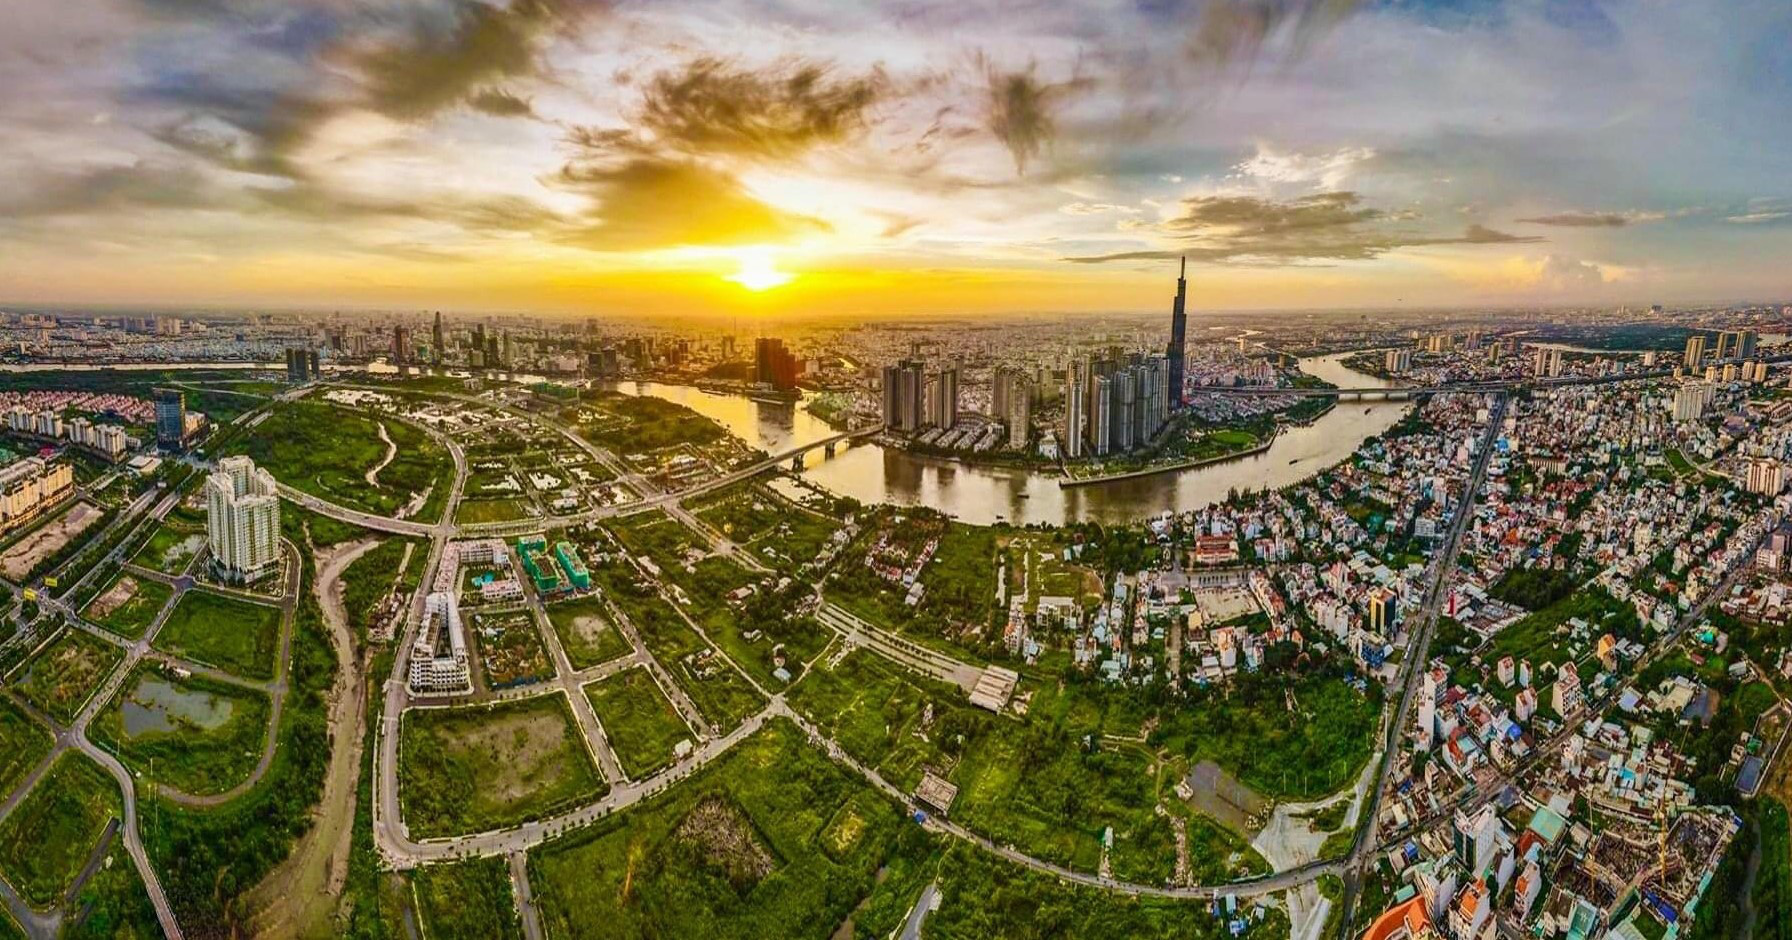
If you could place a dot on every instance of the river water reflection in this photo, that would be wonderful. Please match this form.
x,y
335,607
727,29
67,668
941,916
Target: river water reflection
x,y
984,495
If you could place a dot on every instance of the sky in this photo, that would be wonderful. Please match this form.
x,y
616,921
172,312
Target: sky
x,y
849,158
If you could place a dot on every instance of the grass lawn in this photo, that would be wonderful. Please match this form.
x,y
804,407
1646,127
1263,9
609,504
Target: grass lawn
x,y
770,840
128,605
60,678
485,767
203,736
47,838
23,743
170,549
235,635
585,631
640,722
474,511
470,900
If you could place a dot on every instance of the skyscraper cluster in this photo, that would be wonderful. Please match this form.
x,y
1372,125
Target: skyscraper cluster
x,y
774,365
1114,404
1011,403
905,395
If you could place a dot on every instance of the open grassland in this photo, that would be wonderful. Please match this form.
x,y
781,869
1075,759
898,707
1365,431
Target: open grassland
x,y
469,900
46,840
483,767
770,840
129,604
640,722
171,548
585,631
23,744
197,735
238,636
327,452
64,675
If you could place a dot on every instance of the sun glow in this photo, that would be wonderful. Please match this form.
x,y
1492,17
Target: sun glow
x,y
758,271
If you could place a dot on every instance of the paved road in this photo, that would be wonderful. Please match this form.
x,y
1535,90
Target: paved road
x,y
1417,659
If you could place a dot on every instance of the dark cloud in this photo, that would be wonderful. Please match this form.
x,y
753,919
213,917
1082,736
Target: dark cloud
x,y
135,186
500,103
441,55
1020,110
1332,226
1579,219
713,107
647,202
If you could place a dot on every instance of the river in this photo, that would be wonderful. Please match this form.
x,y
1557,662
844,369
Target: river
x,y
983,495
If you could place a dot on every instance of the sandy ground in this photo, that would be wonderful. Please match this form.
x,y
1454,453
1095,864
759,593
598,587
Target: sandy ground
x,y
47,540
115,597
301,896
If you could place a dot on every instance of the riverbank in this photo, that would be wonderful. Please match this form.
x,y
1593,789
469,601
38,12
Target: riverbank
x,y
1196,464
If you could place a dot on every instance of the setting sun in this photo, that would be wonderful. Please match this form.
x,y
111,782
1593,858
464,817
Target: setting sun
x,y
757,272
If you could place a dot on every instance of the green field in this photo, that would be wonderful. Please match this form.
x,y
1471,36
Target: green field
x,y
235,635
485,767
874,711
585,631
326,451
170,549
133,615
197,735
770,840
639,721
723,696
984,896
475,511
630,424
470,900
64,675
23,744
1312,750
48,837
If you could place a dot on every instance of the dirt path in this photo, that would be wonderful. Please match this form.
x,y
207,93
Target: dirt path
x,y
373,476
300,897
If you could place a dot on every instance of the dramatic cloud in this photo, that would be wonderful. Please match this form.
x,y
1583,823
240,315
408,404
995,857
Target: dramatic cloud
x,y
713,107
1020,110
1333,226
436,59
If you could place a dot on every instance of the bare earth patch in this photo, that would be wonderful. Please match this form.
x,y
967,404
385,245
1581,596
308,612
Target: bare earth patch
x,y
47,540
116,596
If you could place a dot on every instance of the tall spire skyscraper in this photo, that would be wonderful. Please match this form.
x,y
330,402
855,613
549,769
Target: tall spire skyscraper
x,y
1178,336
